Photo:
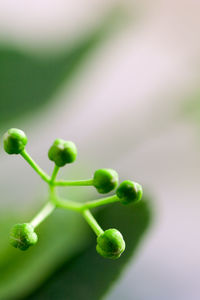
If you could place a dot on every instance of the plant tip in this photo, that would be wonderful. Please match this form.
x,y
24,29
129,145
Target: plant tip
x,y
105,180
22,236
110,244
14,141
62,152
129,192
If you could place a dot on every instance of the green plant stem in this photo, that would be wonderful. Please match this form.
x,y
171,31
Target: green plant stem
x,y
67,204
59,202
50,206
77,206
103,201
54,174
52,190
92,222
56,201
43,214
33,164
87,182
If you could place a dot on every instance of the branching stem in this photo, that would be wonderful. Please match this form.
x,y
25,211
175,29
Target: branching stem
x,y
67,204
55,201
49,206
54,174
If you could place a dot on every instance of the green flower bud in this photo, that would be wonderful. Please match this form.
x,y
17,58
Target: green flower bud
x,y
14,141
22,236
110,244
62,152
129,191
105,180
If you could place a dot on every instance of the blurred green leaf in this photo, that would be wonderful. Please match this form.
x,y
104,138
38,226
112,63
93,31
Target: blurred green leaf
x,y
190,107
28,81
87,275
60,238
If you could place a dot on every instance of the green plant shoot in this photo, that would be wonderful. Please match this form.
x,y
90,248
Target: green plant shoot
x,y
110,243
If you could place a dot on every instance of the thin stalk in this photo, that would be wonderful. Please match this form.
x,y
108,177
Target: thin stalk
x,y
49,206
67,204
87,182
103,201
59,202
33,164
54,174
43,214
92,222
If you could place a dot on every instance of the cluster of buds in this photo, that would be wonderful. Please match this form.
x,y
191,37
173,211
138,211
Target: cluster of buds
x,y
110,243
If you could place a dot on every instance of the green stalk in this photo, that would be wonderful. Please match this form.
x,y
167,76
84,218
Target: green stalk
x,y
87,182
43,214
50,206
54,174
67,204
92,222
33,164
103,201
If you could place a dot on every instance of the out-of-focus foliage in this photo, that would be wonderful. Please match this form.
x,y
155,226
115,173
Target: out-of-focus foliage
x,y
66,249
191,107
89,274
62,236
65,262
28,81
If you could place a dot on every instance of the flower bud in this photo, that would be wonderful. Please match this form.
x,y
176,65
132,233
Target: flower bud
x,y
62,152
105,180
110,244
129,191
22,236
14,141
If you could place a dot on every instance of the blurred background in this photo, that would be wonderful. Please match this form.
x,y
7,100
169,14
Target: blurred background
x,y
121,80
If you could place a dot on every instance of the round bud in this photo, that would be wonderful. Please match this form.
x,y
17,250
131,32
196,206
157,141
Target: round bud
x,y
129,191
22,236
62,152
110,244
105,180
14,141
